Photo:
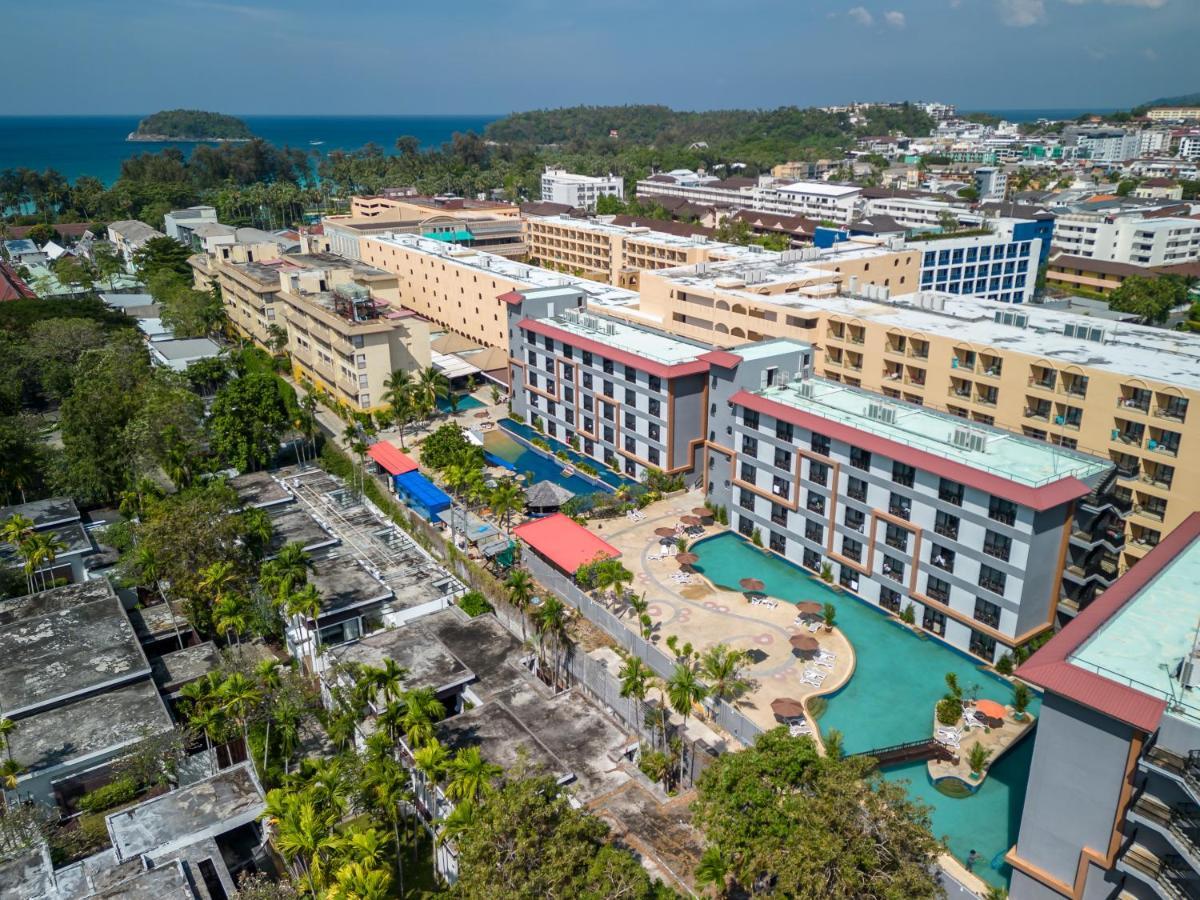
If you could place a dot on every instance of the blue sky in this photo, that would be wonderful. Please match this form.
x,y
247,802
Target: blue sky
x,y
494,56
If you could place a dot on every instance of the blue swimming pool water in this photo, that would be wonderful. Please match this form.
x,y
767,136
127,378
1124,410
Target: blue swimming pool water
x,y
465,402
898,678
516,456
608,476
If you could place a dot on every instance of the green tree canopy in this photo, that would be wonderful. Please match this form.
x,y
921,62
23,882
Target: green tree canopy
x,y
526,840
826,828
445,446
160,253
248,419
1151,298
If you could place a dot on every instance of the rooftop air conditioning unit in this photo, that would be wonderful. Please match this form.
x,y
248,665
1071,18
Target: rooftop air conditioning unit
x,y
882,412
968,439
805,389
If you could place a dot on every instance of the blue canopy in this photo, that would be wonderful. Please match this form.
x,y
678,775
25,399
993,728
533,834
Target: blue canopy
x,y
417,490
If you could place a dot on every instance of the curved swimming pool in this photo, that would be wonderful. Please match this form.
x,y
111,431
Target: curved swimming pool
x,y
898,678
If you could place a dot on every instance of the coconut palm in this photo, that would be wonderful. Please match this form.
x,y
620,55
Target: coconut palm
x,y
636,677
471,776
722,668
713,871
431,384
230,615
506,498
239,696
550,622
7,727
684,691
217,579
422,711
10,770
520,594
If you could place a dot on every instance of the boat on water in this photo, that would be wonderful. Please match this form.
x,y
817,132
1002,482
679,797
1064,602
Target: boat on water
x,y
315,143
568,471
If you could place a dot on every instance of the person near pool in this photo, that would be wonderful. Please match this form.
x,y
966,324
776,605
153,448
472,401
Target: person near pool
x,y
972,858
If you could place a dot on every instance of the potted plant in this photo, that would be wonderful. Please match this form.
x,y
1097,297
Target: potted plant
x,y
829,613
1022,695
909,615
977,759
826,572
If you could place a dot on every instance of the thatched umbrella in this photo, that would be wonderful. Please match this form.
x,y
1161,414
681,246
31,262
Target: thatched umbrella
x,y
805,643
752,585
787,708
665,532
809,608
686,559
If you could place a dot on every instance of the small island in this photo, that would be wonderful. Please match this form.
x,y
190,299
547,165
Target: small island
x,y
190,125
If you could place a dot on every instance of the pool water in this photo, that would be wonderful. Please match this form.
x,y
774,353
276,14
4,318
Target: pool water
x,y
465,402
898,678
605,474
521,459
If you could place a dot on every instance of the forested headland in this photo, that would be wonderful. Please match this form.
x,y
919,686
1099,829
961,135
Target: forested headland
x,y
191,125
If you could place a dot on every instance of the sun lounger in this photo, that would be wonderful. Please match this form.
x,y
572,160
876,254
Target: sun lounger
x,y
814,627
947,740
813,673
799,729
815,682
973,721
823,663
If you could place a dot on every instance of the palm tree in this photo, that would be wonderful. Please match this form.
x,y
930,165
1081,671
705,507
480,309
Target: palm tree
x,y
10,769
431,761
389,678
302,836
506,499
635,678
42,549
722,666
266,673
550,622
216,579
431,384
713,871
684,690
422,711
239,696
304,604
356,881
230,615
293,563
471,776
388,788
7,727
520,594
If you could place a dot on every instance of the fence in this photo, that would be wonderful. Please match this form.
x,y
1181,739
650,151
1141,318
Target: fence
x,y
724,715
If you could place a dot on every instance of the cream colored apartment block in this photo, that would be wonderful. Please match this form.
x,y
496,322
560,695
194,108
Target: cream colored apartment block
x,y
1122,392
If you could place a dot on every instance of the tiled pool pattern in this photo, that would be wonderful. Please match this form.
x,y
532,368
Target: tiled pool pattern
x,y
890,698
551,465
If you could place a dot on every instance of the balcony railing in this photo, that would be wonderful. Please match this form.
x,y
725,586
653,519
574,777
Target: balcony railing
x,y
947,531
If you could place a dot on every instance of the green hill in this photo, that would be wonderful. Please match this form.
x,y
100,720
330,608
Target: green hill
x,y
191,125
1181,100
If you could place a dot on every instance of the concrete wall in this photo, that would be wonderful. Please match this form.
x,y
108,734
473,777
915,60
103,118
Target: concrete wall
x,y
1075,784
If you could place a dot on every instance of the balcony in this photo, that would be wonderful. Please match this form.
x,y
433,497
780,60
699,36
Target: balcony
x,y
947,531
941,595
1179,824
1130,404
1149,511
1169,873
900,510
1043,382
897,541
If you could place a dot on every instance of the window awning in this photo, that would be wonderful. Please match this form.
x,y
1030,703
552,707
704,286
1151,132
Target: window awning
x,y
564,542
393,461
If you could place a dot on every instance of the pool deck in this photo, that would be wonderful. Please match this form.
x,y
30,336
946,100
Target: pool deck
x,y
997,740
704,615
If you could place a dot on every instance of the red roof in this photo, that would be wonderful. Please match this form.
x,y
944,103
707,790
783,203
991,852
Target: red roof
x,y
1045,497
662,370
722,358
564,542
1051,669
11,285
395,462
512,298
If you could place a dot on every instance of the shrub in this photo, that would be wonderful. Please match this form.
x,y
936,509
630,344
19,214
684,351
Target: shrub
x,y
474,604
826,572
1022,696
654,765
829,614
574,442
909,615
112,794
536,423
516,416
756,537
562,454
1004,665
978,758
949,711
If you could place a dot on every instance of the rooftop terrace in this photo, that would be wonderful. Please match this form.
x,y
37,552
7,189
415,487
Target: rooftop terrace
x,y
426,660
654,345
601,226
1016,458
526,275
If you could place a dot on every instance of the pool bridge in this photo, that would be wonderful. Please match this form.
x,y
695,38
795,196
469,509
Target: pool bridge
x,y
908,752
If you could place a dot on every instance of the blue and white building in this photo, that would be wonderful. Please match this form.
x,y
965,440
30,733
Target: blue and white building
x,y
1001,265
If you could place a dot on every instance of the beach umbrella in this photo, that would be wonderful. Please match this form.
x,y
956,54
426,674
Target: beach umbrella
x,y
690,520
805,643
990,708
703,512
665,532
809,608
787,708
686,559
752,585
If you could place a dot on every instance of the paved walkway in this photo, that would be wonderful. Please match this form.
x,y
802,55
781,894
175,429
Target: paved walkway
x,y
703,614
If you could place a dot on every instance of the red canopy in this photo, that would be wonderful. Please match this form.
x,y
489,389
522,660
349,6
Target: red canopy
x,y
564,542
393,461
991,709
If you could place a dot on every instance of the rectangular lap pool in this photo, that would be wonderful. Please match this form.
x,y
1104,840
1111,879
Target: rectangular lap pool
x,y
898,678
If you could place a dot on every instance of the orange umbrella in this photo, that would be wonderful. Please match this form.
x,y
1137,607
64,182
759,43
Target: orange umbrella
x,y
991,709
665,532
809,608
805,643
686,559
752,585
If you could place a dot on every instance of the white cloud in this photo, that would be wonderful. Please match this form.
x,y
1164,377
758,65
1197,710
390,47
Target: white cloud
x,y
1149,4
895,18
861,15
1021,13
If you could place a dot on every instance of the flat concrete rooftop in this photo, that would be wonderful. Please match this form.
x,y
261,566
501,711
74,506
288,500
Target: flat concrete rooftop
x,y
343,584
523,273
654,345
292,525
160,620
62,643
502,737
96,727
207,808
259,489
173,670
483,645
1015,457
426,660
50,511
167,882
